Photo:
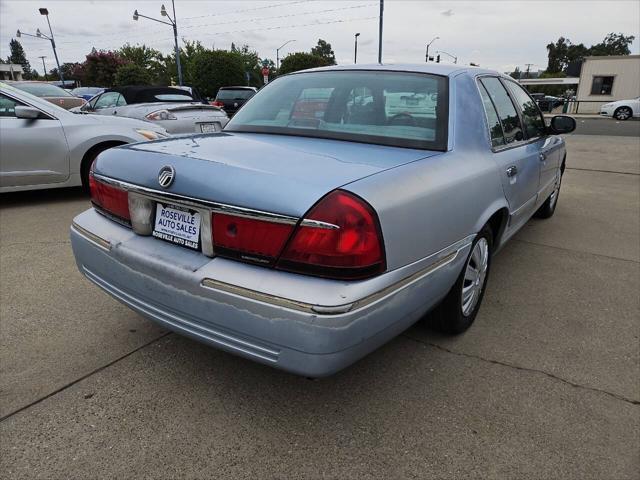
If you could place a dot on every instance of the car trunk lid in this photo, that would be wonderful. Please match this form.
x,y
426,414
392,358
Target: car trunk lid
x,y
272,173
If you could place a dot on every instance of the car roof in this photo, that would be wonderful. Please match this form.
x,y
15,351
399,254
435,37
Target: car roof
x,y
444,69
240,87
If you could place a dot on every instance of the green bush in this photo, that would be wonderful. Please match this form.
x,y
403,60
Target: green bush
x,y
132,74
213,69
301,61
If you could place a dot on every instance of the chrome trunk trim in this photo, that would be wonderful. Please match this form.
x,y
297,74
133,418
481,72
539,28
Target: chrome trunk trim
x,y
184,200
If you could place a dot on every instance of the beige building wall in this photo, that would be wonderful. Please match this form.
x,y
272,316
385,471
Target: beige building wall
x,y
626,82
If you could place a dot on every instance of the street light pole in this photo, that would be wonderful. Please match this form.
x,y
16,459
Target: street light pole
x,y
455,59
44,68
174,25
380,31
355,53
278,53
42,36
45,12
426,57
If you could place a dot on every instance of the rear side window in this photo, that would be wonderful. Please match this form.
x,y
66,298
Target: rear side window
x,y
531,116
505,108
495,128
239,94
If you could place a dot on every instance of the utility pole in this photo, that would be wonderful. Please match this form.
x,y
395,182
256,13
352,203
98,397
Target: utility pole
x,y
278,53
44,68
355,53
526,73
380,31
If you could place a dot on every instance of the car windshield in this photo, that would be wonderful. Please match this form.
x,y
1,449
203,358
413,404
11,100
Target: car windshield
x,y
237,94
381,107
86,90
43,89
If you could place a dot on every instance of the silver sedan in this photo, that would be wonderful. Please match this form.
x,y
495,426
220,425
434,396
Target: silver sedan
x,y
45,146
174,109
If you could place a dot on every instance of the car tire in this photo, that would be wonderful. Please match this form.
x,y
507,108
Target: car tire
x,y
548,208
88,160
622,113
454,314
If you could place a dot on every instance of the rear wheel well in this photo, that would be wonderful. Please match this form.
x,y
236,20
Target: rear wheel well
x,y
497,224
90,156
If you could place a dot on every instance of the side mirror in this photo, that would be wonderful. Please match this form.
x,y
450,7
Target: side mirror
x,y
562,124
28,113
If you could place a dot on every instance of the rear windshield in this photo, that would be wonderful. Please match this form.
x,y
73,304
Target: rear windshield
x,y
174,97
86,90
239,94
43,90
388,108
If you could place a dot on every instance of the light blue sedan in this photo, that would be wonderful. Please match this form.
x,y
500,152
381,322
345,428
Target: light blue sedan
x,y
338,207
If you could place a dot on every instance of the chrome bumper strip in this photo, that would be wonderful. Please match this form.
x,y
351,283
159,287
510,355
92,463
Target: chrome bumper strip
x,y
95,239
441,258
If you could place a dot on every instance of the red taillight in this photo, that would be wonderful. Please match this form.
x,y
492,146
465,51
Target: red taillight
x,y
347,245
109,198
217,103
248,238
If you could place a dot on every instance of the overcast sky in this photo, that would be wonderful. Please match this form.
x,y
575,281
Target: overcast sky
x,y
494,34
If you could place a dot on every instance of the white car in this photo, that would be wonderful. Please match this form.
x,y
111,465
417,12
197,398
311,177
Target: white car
x,y
622,109
45,146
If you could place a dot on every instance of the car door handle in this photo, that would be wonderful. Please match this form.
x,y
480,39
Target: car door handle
x,y
542,156
512,171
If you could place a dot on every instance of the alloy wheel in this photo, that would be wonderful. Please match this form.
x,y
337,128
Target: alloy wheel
x,y
474,276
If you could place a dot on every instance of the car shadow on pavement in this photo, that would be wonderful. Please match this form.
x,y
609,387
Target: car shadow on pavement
x,y
55,195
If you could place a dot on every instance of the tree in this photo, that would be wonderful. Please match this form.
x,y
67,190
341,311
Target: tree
x,y
613,44
212,69
18,57
557,53
132,74
517,73
150,60
301,61
100,68
323,50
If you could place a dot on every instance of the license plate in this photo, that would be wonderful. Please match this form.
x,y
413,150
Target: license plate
x,y
208,128
177,225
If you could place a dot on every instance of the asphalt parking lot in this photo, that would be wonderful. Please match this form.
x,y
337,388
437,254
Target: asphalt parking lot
x,y
546,384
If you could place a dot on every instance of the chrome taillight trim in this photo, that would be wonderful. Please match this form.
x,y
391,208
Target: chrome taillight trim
x,y
307,222
197,203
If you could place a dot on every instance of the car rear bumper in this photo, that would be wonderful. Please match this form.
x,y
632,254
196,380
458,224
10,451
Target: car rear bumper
x,y
190,294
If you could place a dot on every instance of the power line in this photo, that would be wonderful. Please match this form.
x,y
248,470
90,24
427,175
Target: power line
x,y
264,7
259,19
288,26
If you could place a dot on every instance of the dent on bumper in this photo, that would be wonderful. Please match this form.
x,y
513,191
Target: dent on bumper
x,y
167,285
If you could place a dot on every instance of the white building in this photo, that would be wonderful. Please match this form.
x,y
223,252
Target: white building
x,y
607,79
10,71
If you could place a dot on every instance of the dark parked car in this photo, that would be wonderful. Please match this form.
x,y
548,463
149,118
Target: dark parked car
x,y
232,98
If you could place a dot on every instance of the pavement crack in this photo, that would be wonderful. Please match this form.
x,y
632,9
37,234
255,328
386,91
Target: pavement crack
x,y
524,369
78,380
38,242
576,251
602,171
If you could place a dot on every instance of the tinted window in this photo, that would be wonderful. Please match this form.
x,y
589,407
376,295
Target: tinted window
x,y
238,94
495,128
506,110
43,89
7,106
86,90
389,108
531,116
